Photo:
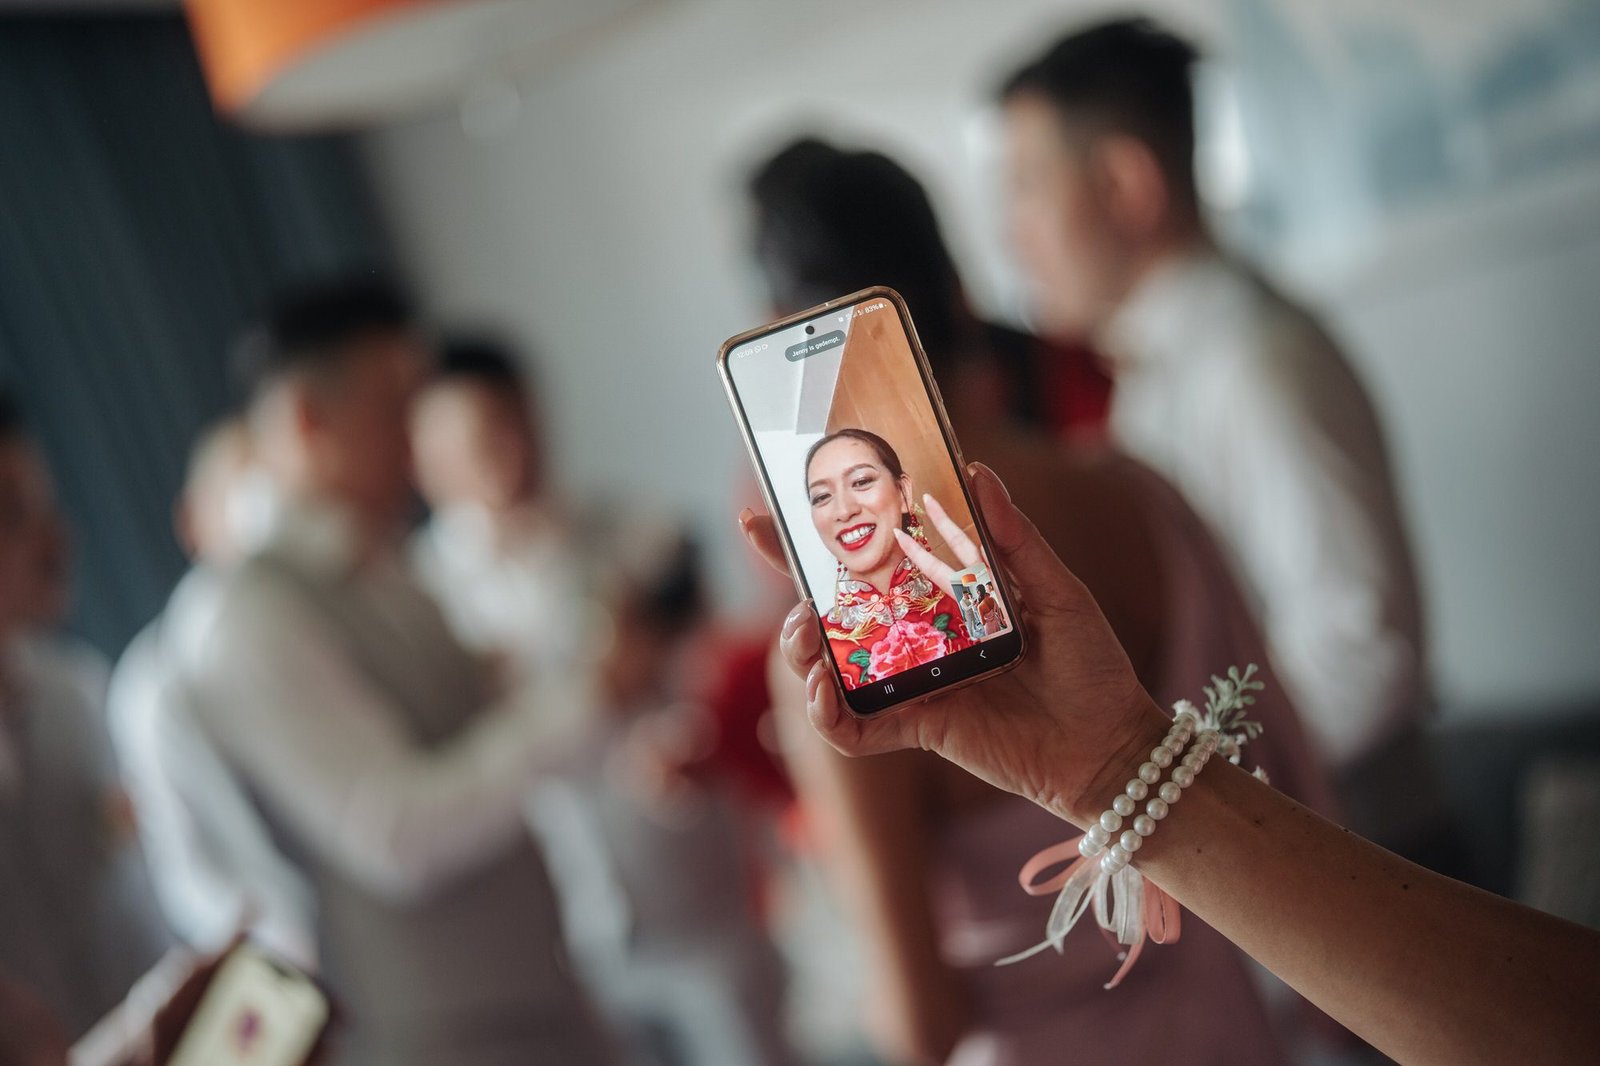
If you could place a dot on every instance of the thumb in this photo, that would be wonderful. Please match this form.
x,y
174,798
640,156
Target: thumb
x,y
1035,569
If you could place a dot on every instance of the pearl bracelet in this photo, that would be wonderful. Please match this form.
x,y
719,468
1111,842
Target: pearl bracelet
x,y
1117,855
1099,878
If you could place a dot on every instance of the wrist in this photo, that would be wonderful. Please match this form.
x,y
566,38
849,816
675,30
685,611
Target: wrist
x,y
1143,727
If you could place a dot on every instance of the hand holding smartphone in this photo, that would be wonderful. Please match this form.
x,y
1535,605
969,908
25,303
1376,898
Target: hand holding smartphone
x,y
863,477
255,1011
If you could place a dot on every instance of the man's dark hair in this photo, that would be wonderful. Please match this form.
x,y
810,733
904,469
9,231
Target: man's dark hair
x,y
674,597
1128,76
831,221
310,328
481,360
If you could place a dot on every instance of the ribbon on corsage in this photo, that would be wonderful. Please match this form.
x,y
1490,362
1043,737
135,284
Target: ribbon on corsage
x,y
1127,906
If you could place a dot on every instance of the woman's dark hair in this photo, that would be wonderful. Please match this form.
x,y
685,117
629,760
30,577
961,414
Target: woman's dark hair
x,y
479,359
886,453
486,360
830,221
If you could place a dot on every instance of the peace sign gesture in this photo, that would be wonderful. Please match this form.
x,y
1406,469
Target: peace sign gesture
x,y
934,568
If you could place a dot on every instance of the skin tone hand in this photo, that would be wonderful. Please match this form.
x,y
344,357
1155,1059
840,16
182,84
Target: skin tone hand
x,y
1022,731
173,1017
936,570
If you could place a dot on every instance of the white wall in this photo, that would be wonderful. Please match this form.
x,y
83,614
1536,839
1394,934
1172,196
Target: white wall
x,y
1480,335
604,227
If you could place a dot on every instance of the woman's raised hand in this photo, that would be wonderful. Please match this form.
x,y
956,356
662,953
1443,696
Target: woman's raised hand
x,y
936,570
1061,729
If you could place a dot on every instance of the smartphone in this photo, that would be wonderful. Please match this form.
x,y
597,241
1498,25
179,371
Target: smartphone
x,y
256,1011
849,438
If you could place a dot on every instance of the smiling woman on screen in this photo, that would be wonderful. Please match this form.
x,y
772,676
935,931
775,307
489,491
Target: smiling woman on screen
x,y
887,615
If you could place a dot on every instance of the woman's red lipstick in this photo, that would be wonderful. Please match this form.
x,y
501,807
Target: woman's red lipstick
x,y
855,544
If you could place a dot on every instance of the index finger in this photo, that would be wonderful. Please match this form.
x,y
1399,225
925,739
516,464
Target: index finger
x,y
953,534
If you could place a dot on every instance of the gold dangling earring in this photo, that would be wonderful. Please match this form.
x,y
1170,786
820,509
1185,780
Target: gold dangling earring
x,y
914,524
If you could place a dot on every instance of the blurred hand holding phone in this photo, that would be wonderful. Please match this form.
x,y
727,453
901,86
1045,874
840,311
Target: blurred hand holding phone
x,y
858,466
239,1007
254,1011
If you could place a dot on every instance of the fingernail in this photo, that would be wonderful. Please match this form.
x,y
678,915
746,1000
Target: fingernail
x,y
744,519
814,679
796,617
823,717
980,470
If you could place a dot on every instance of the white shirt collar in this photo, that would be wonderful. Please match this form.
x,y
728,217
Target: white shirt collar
x,y
1156,320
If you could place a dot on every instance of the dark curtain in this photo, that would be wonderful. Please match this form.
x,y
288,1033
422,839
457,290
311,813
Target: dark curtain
x,y
138,234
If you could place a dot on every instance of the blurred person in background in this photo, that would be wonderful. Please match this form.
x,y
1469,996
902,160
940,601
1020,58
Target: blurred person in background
x,y
78,922
1230,390
388,765
498,551
920,853
212,859
643,818
646,848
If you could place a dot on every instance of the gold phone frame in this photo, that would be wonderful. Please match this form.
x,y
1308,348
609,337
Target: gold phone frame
x,y
952,448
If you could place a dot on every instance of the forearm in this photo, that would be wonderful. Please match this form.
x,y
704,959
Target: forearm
x,y
401,819
422,819
1427,969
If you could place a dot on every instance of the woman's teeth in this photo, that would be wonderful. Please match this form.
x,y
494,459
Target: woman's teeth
x,y
855,536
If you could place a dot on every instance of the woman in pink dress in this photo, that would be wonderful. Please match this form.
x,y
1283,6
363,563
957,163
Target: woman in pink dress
x,y
924,856
1193,1001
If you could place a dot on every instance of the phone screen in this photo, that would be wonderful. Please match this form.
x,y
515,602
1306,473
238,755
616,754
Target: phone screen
x,y
255,1012
850,442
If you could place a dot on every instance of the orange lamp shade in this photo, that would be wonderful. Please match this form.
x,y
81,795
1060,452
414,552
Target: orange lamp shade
x,y
297,64
243,44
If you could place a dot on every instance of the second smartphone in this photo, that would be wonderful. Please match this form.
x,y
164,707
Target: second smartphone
x,y
850,440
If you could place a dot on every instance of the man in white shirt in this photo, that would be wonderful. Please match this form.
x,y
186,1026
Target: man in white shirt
x,y
372,742
1223,385
212,859
77,921
653,879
